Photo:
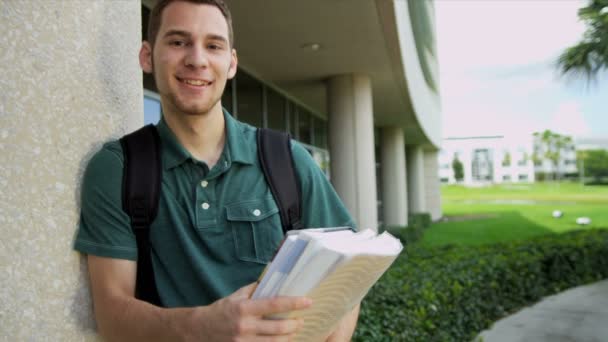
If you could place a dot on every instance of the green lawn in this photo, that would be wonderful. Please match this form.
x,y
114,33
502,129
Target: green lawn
x,y
499,213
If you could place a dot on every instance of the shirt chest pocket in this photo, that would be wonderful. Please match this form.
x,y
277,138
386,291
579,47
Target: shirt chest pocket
x,y
256,229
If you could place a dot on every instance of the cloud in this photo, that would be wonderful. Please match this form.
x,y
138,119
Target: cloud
x,y
569,119
487,120
475,34
496,63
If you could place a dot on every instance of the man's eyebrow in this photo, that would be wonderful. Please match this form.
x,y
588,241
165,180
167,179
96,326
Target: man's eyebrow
x,y
217,37
176,33
186,34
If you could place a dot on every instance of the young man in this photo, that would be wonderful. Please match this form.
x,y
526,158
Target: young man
x,y
217,224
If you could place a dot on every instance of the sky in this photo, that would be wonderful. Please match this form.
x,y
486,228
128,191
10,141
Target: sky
x,y
497,74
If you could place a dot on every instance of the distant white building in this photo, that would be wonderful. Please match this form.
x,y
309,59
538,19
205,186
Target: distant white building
x,y
488,159
590,143
502,159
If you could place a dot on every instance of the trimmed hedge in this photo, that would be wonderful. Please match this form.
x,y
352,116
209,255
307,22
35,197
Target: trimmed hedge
x,y
417,223
452,293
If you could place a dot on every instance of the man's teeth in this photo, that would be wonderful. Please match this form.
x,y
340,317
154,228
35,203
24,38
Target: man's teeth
x,y
196,82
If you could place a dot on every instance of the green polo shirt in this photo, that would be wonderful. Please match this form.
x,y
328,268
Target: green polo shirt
x,y
216,229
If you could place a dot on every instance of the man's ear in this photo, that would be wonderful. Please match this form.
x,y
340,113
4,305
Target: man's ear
x,y
234,61
145,57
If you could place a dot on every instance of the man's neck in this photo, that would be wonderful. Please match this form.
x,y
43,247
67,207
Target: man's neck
x,y
202,135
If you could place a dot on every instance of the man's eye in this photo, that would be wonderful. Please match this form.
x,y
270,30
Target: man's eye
x,y
177,43
214,46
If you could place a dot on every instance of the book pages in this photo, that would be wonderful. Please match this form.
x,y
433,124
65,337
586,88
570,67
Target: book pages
x,y
338,294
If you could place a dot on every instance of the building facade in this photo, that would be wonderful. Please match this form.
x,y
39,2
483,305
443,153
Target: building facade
x,y
354,80
487,160
504,159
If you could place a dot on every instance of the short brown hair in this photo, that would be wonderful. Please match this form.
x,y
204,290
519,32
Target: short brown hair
x,y
156,14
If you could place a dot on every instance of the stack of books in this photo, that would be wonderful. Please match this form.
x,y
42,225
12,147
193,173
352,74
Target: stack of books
x,y
335,267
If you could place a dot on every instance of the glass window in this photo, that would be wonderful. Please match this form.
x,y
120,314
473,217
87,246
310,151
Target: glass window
x,y
276,110
322,159
482,168
227,97
291,119
152,110
304,126
320,135
249,99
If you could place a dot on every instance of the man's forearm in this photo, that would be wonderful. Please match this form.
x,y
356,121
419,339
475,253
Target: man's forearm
x,y
346,327
129,319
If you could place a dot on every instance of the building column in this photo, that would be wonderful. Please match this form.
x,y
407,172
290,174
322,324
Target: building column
x,y
432,187
70,81
351,144
394,185
415,180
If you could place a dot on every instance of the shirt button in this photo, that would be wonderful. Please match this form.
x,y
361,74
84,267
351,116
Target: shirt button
x,y
205,206
204,184
257,212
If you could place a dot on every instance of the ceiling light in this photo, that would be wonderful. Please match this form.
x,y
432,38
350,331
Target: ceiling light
x,y
312,46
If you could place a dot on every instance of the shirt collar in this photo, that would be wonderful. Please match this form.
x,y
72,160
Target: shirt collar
x,y
239,148
172,152
236,148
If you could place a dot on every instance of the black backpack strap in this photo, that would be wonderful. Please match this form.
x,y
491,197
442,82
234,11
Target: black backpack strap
x,y
274,151
140,196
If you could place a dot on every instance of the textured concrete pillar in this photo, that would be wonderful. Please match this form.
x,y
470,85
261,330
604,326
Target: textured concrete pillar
x,y
394,187
351,143
415,180
432,185
70,80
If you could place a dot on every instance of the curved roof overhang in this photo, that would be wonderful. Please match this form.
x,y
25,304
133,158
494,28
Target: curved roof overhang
x,y
372,37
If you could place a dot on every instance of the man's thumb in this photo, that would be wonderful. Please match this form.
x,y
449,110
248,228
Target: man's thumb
x,y
245,291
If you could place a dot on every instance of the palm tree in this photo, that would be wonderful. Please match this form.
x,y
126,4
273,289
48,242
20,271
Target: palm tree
x,y
590,55
552,146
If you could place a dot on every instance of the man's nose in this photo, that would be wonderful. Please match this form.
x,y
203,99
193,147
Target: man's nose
x,y
196,57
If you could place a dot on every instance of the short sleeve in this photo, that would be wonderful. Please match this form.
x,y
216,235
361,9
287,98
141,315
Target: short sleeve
x,y
321,205
104,228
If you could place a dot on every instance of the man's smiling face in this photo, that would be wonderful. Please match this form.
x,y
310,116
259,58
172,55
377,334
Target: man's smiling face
x,y
192,58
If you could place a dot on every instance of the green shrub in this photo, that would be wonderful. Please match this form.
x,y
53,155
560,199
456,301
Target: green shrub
x,y
413,232
419,220
407,235
452,293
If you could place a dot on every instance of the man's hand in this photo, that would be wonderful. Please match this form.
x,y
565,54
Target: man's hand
x,y
237,317
121,317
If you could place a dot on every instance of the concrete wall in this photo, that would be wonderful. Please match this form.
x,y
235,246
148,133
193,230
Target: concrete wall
x,y
394,177
351,144
432,190
70,80
415,173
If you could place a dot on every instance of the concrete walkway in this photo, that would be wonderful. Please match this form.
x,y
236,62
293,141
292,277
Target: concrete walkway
x,y
579,314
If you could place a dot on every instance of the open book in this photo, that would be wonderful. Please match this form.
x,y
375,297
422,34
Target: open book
x,y
335,267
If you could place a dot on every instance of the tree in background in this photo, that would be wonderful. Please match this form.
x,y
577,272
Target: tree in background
x,y
590,55
458,169
506,160
553,144
595,163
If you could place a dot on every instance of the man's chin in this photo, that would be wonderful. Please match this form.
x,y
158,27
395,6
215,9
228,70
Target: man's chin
x,y
196,110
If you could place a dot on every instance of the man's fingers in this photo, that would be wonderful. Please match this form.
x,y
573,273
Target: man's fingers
x,y
244,292
278,327
269,306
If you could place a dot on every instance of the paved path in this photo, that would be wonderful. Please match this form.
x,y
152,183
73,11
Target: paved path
x,y
579,314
